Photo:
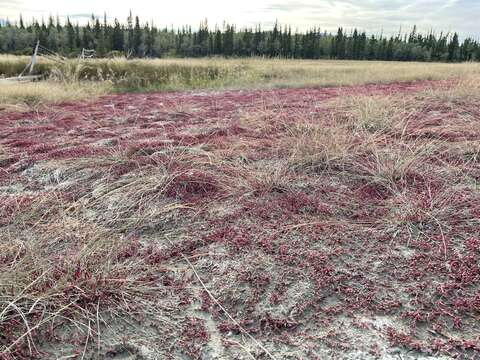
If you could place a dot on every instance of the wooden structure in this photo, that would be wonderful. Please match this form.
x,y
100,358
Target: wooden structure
x,y
28,68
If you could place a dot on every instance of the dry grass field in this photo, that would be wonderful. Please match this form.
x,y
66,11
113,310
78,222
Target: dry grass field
x,y
73,79
288,221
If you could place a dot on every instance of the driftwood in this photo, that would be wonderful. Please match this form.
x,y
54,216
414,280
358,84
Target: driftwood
x,y
29,68
18,79
39,50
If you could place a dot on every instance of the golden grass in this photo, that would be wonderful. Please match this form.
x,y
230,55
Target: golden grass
x,y
218,73
354,134
298,73
272,73
37,93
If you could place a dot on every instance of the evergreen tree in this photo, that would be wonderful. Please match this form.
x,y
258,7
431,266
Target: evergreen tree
x,y
340,45
87,37
146,40
453,48
117,37
149,40
356,45
227,40
58,24
389,51
71,44
137,39
218,48
78,41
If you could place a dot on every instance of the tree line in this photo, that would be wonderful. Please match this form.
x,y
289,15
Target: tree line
x,y
136,39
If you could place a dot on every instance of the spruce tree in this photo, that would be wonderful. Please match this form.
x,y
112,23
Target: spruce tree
x,y
149,40
70,36
59,24
78,41
218,48
279,41
117,37
137,39
453,48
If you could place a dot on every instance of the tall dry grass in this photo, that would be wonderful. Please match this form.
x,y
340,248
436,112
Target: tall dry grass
x,y
25,95
217,73
379,139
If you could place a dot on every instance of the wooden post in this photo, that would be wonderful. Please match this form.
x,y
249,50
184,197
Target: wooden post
x,y
32,61
34,57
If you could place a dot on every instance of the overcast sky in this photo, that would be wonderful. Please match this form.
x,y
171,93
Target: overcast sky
x,y
370,15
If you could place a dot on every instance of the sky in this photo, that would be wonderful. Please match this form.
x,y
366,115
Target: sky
x,y
372,16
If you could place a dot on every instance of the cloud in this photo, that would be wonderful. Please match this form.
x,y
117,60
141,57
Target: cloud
x,y
375,15
5,3
370,15
83,16
8,6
